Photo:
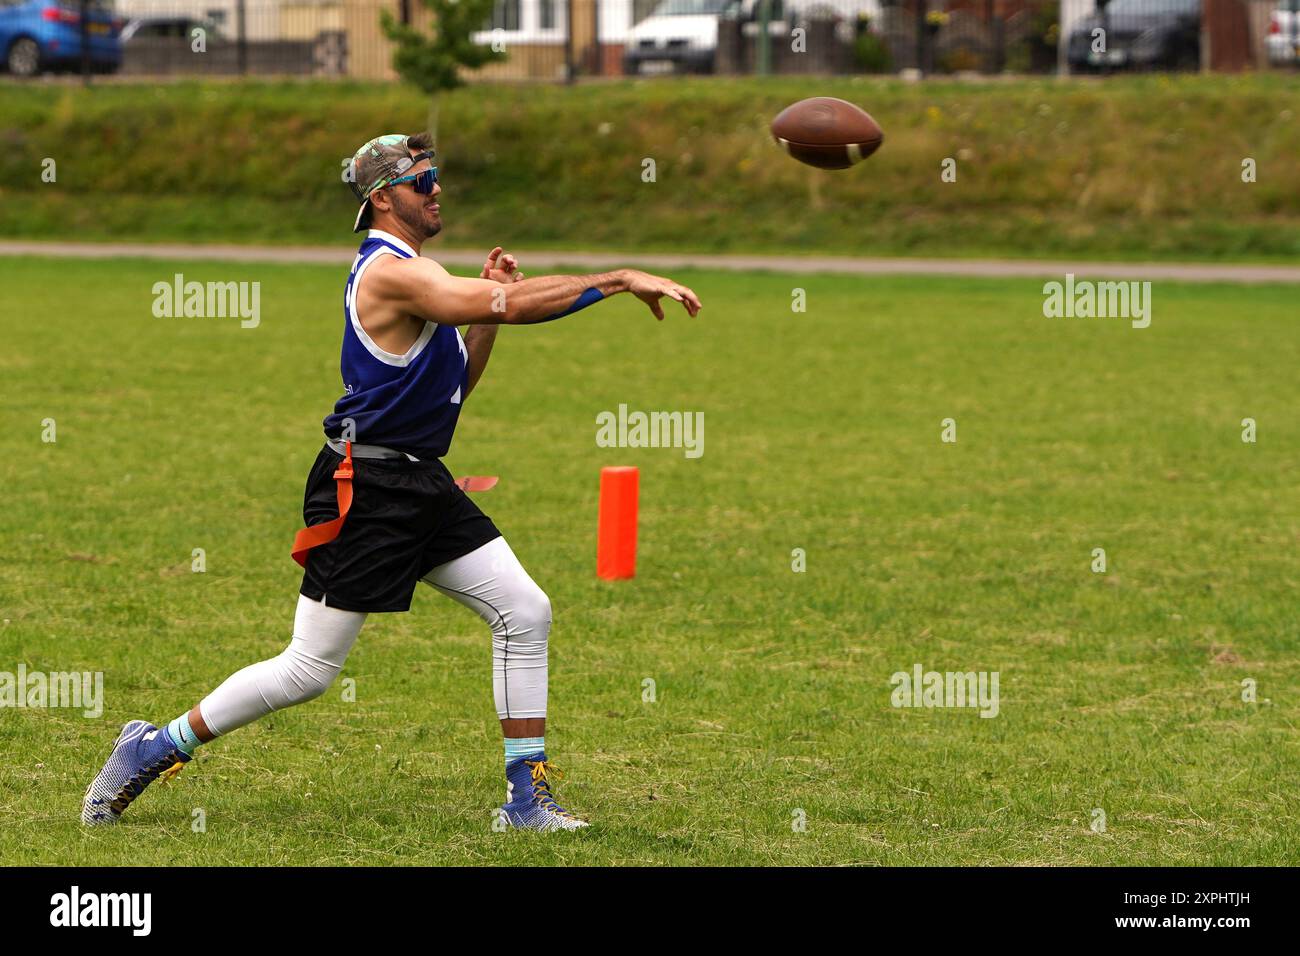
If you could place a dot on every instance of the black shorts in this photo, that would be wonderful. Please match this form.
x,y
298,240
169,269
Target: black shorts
x,y
407,517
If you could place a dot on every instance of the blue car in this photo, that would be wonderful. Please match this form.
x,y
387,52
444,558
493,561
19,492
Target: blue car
x,y
40,35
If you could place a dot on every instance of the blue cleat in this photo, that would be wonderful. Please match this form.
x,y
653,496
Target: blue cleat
x,y
529,804
141,754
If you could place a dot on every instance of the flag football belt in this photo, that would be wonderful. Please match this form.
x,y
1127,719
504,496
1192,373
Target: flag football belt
x,y
324,533
366,451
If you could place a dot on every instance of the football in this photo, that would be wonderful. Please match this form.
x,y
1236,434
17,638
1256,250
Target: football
x,y
827,132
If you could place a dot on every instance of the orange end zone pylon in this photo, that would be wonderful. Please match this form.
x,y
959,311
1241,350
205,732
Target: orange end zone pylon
x,y
616,528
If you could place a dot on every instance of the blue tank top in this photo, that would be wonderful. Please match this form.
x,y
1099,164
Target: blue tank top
x,y
409,402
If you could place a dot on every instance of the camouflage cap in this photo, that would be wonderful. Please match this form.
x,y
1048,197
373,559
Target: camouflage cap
x,y
375,165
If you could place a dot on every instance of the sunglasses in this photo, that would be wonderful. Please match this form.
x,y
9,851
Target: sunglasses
x,y
423,181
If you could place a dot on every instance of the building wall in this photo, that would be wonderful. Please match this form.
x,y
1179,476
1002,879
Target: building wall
x,y
303,19
530,57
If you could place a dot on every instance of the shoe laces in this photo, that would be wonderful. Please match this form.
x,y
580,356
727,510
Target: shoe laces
x,y
167,768
543,771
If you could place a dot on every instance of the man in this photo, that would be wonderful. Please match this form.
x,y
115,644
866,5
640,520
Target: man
x,y
382,511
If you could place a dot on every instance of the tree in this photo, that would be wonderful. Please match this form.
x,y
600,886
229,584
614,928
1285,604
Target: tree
x,y
433,60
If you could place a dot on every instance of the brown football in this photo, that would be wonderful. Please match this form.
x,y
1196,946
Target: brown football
x,y
826,132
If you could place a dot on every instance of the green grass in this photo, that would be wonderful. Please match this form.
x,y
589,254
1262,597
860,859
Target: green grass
x,y
1132,167
1118,691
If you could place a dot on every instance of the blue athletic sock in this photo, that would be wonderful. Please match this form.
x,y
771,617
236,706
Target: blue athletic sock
x,y
517,747
182,735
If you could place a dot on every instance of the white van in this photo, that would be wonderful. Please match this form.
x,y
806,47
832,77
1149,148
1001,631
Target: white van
x,y
681,36
1284,33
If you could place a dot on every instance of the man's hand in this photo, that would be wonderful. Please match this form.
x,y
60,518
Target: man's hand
x,y
501,267
651,288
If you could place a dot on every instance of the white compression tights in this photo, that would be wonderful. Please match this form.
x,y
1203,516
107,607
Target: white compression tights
x,y
490,581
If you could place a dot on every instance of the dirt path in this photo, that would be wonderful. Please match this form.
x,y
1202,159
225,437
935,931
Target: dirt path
x,y
535,262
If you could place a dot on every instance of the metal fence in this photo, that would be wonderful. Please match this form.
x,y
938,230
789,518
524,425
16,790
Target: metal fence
x,y
565,40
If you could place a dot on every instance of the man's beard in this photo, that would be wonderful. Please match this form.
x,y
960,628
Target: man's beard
x,y
417,219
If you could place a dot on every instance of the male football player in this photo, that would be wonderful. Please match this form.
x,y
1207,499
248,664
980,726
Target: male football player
x,y
382,511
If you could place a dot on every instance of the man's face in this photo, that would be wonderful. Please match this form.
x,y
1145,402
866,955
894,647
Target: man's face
x,y
419,213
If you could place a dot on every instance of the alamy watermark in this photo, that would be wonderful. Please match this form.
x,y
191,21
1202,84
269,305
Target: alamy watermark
x,y
922,688
208,300
635,429
81,690
75,908
1098,300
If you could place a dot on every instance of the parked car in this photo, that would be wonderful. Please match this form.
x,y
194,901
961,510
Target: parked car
x,y
170,28
1139,35
1284,33
681,36
42,35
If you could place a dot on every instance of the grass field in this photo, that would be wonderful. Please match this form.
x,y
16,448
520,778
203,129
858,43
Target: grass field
x,y
1133,167
1119,691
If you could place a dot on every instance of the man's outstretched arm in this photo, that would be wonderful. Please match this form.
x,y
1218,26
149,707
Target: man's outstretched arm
x,y
423,288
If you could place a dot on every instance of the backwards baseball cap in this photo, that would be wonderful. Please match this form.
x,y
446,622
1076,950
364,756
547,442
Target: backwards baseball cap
x,y
375,165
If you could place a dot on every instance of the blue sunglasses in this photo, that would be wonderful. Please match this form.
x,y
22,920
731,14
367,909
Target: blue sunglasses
x,y
424,181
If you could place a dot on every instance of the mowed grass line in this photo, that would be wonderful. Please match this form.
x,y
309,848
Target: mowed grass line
x,y
1119,691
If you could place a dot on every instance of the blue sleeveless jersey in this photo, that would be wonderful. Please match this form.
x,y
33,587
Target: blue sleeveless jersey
x,y
409,402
